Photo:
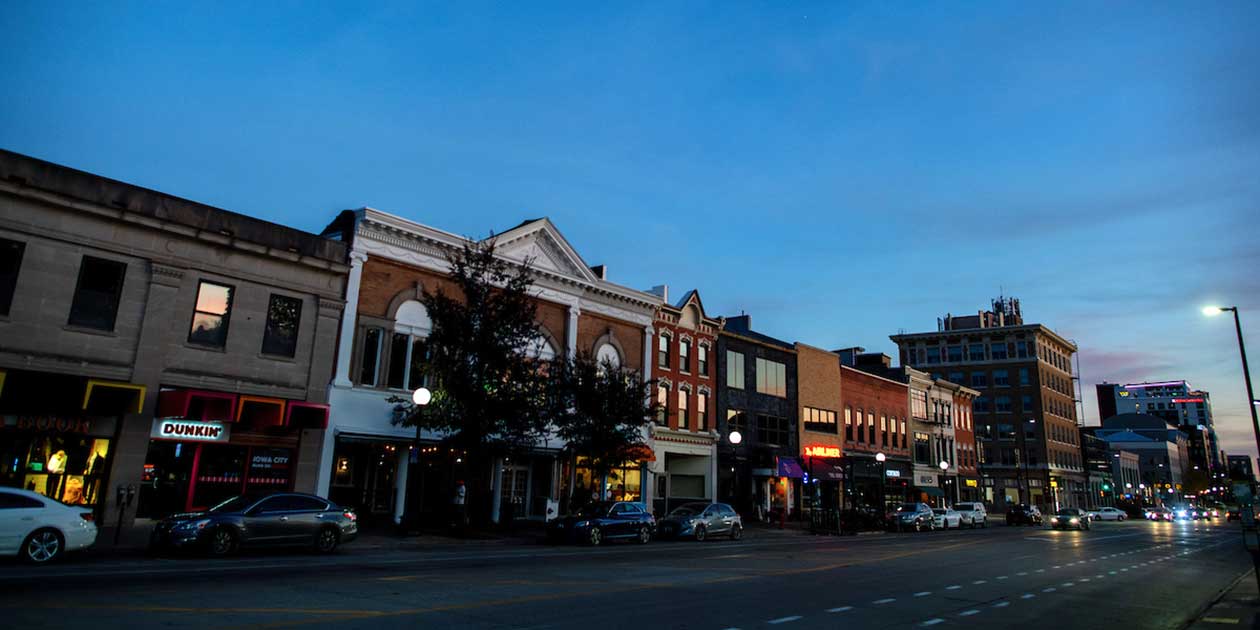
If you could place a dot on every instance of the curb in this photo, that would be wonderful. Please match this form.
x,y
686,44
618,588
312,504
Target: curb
x,y
1202,611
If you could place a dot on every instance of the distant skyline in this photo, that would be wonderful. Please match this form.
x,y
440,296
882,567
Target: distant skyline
x,y
839,173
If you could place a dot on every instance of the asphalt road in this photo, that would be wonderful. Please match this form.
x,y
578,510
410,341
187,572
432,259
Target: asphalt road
x,y
1119,575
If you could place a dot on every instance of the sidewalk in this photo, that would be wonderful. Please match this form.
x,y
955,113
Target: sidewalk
x,y
1237,608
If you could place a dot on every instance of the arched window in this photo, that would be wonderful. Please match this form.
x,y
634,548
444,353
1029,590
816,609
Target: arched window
x,y
408,352
608,353
540,348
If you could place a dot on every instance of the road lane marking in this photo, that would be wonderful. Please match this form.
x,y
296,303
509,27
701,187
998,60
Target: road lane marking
x,y
968,613
775,622
933,622
923,593
952,587
1111,573
1068,584
886,600
1229,620
1083,580
1000,577
1022,573
1049,589
1041,570
1027,596
840,609
979,582
1001,604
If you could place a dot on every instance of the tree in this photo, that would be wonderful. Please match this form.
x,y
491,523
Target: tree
x,y
601,411
488,388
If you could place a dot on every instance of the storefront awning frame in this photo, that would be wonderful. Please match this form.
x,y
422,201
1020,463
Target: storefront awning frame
x,y
93,384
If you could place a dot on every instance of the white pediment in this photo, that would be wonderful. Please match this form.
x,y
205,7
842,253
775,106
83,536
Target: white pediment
x,y
539,242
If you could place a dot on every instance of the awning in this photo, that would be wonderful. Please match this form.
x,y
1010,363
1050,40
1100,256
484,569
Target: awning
x,y
931,491
306,415
111,396
789,467
258,411
824,469
196,404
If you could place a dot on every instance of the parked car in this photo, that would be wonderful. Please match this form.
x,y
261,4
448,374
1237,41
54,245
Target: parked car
x,y
1070,518
40,530
1183,512
973,514
947,518
700,521
913,516
601,521
1159,514
1023,514
1107,514
286,519
1233,514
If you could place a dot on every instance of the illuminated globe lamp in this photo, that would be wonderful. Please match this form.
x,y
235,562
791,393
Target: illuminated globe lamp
x,y
421,396
735,437
880,457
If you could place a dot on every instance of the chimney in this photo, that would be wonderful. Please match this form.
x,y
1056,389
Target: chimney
x,y
739,323
600,271
661,291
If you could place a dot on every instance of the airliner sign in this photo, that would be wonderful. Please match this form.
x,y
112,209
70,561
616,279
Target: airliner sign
x,y
189,430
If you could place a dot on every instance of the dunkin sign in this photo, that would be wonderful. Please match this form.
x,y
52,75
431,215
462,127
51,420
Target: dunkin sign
x,y
189,430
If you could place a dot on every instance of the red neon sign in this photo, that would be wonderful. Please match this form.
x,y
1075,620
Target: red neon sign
x,y
1187,400
822,451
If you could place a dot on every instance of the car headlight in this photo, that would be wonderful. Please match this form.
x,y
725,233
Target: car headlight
x,y
1074,520
1054,520
1181,513
193,525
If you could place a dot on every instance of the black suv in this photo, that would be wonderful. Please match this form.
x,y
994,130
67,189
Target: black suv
x,y
1023,514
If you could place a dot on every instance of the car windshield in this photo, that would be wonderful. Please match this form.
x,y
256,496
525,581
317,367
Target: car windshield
x,y
908,507
689,509
938,511
594,509
235,504
1069,512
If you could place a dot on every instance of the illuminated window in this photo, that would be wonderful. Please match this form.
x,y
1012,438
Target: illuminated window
x,y
683,397
820,420
211,314
870,427
702,411
883,430
771,378
662,402
861,427
848,424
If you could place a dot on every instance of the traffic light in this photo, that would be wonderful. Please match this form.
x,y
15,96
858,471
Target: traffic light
x,y
1107,487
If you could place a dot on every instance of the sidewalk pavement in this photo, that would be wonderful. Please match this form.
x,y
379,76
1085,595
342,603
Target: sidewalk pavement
x,y
1239,607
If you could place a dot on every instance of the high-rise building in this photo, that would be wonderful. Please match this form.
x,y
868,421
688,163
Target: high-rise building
x,y
1175,401
1025,416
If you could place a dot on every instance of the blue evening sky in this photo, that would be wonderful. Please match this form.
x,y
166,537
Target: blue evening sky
x,y
839,171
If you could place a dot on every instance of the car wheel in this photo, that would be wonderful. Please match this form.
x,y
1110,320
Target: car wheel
x,y
645,535
42,546
595,536
222,542
326,540
737,532
700,533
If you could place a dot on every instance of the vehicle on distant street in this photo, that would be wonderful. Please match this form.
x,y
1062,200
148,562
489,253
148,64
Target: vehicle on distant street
x,y
700,521
1233,514
1107,514
1183,512
1070,518
1023,514
287,519
947,518
973,514
1159,514
914,517
601,521
40,530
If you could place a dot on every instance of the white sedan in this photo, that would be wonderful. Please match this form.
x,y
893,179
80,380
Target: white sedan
x,y
1107,514
39,530
947,518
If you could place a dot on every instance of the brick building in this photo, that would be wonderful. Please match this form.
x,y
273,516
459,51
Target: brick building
x,y
875,418
685,435
155,348
756,398
822,445
392,262
967,455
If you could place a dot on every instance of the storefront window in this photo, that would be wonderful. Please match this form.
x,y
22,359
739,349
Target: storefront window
x,y
55,457
624,483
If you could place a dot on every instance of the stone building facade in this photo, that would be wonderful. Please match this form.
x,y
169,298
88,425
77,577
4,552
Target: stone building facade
x,y
157,355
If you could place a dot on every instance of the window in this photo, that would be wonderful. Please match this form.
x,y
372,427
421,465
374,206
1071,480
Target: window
x,y
18,502
922,448
883,430
998,350
662,402
371,356
662,351
956,377
903,434
870,428
1001,378
684,356
1002,404
979,379
1026,403
10,262
737,421
284,315
734,370
861,427
702,360
1021,349
702,411
975,352
820,420
954,354
918,404
211,314
981,405
96,297
683,408
772,430
848,424
1023,376
771,378
933,354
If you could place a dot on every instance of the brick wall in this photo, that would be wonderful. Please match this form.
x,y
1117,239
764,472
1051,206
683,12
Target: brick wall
x,y
867,392
818,386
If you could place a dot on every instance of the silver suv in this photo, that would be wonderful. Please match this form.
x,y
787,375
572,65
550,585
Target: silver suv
x,y
973,514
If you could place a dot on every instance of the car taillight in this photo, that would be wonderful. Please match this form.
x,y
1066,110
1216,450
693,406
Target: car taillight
x,y
87,516
350,515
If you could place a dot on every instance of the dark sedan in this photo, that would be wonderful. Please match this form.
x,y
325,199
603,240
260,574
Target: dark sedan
x,y
604,520
700,521
1023,514
277,520
1070,518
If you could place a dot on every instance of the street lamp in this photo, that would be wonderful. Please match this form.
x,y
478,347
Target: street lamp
x,y
411,515
883,482
1211,311
944,465
735,438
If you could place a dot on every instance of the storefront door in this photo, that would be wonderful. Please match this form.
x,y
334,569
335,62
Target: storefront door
x,y
513,494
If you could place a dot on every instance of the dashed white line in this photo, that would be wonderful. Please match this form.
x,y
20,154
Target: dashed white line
x,y
1027,596
952,587
1001,604
1068,584
840,609
886,600
1022,573
923,593
1000,577
932,622
1083,580
1049,589
1041,570
979,582
1111,573
968,613
775,622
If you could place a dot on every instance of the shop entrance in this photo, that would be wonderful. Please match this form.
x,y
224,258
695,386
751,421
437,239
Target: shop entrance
x,y
364,478
190,477
513,494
